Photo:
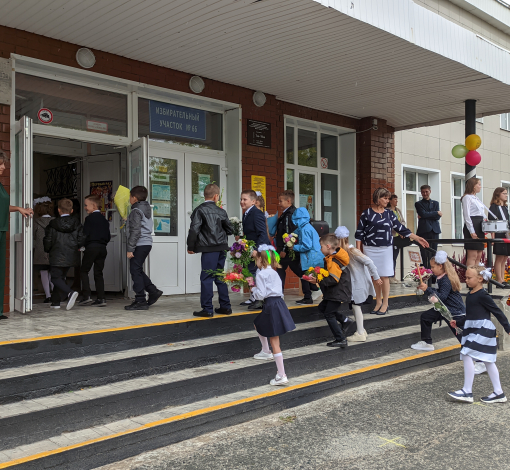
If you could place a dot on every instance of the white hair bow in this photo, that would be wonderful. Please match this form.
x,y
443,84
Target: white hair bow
x,y
258,193
441,257
342,232
486,274
266,247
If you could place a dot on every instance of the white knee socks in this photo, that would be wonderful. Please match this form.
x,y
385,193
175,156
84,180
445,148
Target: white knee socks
x,y
278,358
45,279
265,345
358,315
493,372
469,374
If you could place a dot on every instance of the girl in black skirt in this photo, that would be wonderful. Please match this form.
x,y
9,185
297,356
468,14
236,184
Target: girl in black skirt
x,y
473,211
275,318
499,207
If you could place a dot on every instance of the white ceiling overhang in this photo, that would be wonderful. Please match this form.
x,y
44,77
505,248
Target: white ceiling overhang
x,y
386,58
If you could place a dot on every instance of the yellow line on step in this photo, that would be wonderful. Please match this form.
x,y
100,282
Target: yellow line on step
x,y
203,411
146,325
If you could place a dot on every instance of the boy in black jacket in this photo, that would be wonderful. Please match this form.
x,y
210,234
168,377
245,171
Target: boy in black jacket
x,y
97,232
63,238
208,234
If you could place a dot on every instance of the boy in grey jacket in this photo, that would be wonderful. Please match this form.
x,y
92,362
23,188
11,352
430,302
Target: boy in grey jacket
x,y
139,244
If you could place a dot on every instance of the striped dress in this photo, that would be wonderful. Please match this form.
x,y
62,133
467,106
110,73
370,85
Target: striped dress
x,y
479,333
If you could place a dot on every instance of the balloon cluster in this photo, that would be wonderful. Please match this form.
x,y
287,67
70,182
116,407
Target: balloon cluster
x,y
468,150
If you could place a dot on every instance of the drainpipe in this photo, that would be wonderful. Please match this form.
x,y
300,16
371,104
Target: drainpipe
x,y
470,128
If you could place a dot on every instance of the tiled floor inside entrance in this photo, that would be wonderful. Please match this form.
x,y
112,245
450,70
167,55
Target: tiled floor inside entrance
x,y
43,321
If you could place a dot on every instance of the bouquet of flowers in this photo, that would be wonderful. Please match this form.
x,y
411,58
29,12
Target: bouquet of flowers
x,y
220,200
240,252
290,240
440,307
237,278
317,273
238,226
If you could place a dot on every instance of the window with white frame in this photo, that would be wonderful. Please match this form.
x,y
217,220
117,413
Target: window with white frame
x,y
458,186
311,168
479,120
505,121
413,181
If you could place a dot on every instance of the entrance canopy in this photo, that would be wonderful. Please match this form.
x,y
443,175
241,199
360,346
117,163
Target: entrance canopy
x,y
386,58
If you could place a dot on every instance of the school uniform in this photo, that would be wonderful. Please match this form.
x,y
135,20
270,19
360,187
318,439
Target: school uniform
x,y
275,318
428,226
473,212
255,229
501,212
479,333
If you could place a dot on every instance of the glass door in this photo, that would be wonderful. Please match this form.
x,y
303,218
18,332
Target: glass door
x,y
137,166
23,229
307,193
200,171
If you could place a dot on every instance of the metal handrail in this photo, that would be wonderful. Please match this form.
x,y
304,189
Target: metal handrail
x,y
453,241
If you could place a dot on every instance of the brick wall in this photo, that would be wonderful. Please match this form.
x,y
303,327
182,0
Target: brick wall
x,y
6,182
371,146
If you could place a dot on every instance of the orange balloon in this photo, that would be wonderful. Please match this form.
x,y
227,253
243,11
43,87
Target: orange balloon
x,y
473,142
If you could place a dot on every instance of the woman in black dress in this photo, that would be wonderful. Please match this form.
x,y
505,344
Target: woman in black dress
x,y
499,207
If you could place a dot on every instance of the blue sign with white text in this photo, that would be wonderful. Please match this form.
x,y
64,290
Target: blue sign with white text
x,y
181,121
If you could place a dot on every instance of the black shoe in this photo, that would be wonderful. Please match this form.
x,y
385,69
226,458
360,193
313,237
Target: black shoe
x,y
304,302
246,302
338,344
507,286
99,303
85,302
349,327
383,313
3,317
137,306
47,300
223,311
153,298
375,312
257,305
496,399
55,305
203,313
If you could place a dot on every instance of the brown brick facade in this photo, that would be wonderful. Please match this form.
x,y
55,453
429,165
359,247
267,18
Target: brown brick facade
x,y
375,149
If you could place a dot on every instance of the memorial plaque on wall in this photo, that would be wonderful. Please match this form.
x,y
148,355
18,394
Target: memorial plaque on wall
x,y
259,134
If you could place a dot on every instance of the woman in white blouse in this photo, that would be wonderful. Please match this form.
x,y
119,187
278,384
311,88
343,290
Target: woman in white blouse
x,y
473,212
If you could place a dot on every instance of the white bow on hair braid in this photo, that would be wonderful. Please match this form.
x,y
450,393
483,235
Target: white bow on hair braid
x,y
258,193
486,274
266,247
342,232
441,257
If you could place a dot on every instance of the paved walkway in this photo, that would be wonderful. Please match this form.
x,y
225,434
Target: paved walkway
x,y
43,321
405,423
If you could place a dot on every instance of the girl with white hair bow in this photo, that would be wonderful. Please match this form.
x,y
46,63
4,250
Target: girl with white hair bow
x,y
479,336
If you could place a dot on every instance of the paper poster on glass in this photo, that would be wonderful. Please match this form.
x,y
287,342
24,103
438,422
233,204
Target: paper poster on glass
x,y
327,198
161,208
307,201
197,200
160,177
104,191
161,192
162,224
203,181
328,218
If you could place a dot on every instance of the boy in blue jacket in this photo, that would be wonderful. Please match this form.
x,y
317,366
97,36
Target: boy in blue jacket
x,y
308,246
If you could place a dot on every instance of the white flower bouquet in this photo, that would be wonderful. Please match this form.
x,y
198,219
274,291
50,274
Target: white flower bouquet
x,y
237,225
440,307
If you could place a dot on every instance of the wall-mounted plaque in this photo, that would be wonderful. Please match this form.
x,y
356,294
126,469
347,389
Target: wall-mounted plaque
x,y
259,134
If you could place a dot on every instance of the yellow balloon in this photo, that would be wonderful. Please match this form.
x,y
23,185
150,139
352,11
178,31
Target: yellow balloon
x,y
473,141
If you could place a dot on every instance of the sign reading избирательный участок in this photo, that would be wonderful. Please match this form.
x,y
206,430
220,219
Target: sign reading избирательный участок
x,y
181,121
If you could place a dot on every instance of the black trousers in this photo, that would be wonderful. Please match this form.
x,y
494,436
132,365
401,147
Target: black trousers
x,y
93,256
58,278
425,254
210,262
329,308
141,282
295,267
430,317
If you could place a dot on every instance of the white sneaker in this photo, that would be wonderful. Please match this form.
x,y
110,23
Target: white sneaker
x,y
422,346
263,356
72,299
316,294
357,338
480,368
279,380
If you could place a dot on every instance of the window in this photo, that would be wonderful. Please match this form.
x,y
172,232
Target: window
x,y
479,120
180,125
413,181
505,121
71,106
312,162
458,184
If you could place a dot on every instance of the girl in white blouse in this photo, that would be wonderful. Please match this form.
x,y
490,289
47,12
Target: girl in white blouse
x,y
473,212
275,319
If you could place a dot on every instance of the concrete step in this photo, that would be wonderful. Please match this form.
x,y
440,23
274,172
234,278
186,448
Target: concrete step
x,y
21,352
37,380
81,441
29,421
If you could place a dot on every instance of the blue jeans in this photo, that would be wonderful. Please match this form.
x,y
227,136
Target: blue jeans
x,y
212,261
